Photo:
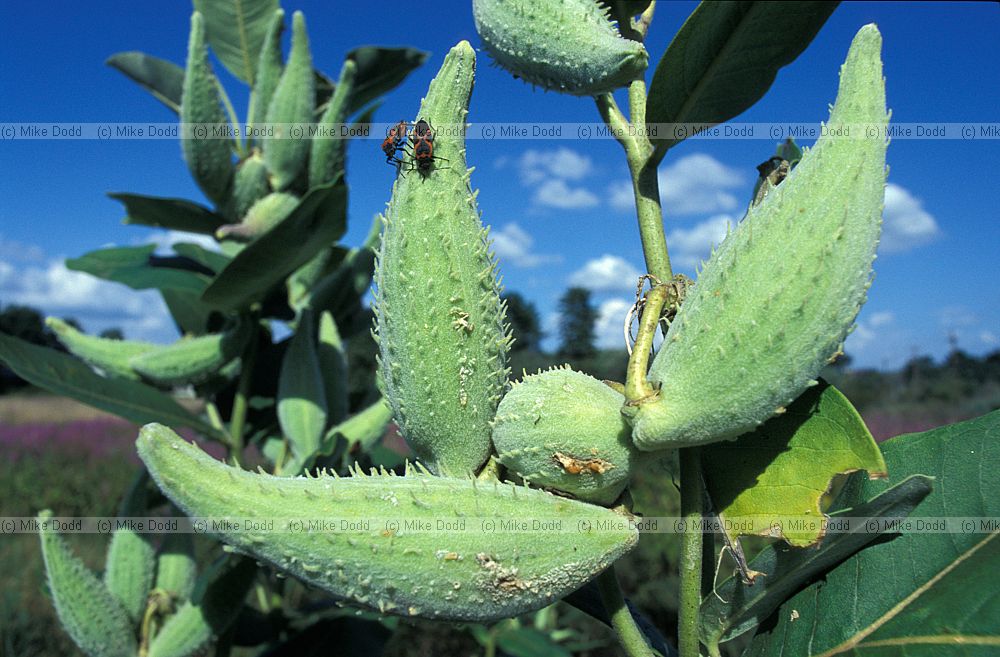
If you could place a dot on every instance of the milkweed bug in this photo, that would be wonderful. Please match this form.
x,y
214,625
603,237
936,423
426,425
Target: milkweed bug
x,y
394,140
423,146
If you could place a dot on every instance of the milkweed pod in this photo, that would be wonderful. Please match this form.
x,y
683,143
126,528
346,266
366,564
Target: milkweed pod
x,y
262,216
560,45
269,67
192,360
110,356
776,300
327,156
91,616
564,430
421,569
250,184
176,569
128,570
291,106
442,333
209,159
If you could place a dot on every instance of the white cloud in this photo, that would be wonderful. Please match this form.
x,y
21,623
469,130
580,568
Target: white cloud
x,y
621,196
605,274
689,246
988,338
557,194
877,328
536,166
610,319
881,318
19,252
698,184
513,245
905,223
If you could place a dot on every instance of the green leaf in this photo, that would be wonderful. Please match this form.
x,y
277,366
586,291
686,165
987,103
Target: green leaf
x,y
159,77
213,260
236,29
724,58
301,398
529,642
318,221
65,375
191,315
926,592
134,266
764,480
380,70
331,353
128,570
736,608
170,213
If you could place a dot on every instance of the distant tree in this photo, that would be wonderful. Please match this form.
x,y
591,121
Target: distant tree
x,y
113,333
524,322
576,325
26,323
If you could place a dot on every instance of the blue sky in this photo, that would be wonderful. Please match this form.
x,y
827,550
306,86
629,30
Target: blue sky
x,y
560,210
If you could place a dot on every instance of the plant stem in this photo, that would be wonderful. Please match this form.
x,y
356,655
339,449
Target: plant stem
x,y
646,187
238,420
637,387
692,503
629,635
233,119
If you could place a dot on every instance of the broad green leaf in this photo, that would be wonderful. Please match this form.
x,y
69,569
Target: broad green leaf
x,y
236,29
361,432
65,375
331,353
736,608
170,213
927,592
379,71
763,480
159,77
302,281
529,642
302,408
724,58
318,221
191,315
213,260
135,266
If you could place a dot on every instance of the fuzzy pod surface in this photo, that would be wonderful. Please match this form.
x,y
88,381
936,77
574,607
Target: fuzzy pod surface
x,y
250,184
569,46
777,298
262,216
269,68
92,617
209,160
292,103
438,564
441,328
192,360
564,430
130,562
176,569
110,356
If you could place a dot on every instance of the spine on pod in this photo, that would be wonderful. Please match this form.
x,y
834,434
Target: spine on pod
x,y
110,356
776,300
210,160
89,613
405,570
569,46
442,332
192,360
128,570
292,103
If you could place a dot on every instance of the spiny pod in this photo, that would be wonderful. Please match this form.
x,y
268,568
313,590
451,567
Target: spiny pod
x,y
250,184
776,300
419,545
214,605
292,103
327,156
128,570
441,327
176,569
262,216
209,159
90,614
560,45
269,67
191,360
110,356
564,430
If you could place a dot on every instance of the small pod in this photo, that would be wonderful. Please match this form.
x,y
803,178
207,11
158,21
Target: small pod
x,y
110,356
128,570
564,430
269,67
249,185
569,46
776,300
262,216
291,106
192,360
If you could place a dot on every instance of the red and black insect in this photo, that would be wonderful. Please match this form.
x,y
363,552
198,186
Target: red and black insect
x,y
395,140
422,139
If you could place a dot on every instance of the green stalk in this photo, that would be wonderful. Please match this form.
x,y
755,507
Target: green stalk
x,y
629,635
238,420
691,551
637,386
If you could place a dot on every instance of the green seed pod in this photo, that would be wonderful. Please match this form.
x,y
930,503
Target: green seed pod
x,y
128,570
250,184
442,332
262,216
214,605
564,430
327,157
419,568
192,360
294,99
110,356
90,615
176,569
269,67
560,45
776,300
209,160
